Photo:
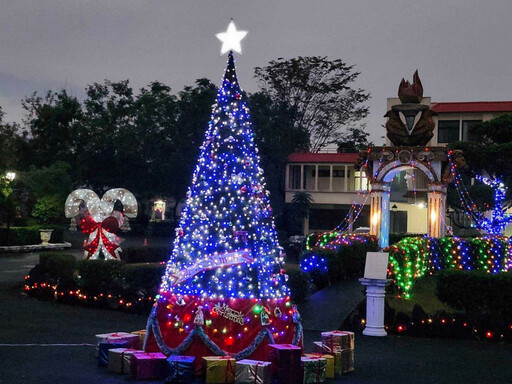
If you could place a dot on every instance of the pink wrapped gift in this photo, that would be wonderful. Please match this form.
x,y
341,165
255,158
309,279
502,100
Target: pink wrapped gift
x,y
286,365
119,360
145,366
117,337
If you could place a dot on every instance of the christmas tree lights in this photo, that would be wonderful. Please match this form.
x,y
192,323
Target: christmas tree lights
x,y
226,244
224,289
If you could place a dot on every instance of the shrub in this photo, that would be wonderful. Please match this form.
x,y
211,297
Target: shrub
x,y
47,208
30,235
396,237
299,285
345,256
100,276
145,254
143,279
161,229
412,258
57,265
478,293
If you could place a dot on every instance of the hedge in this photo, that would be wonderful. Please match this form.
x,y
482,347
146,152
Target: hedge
x,y
478,293
101,283
30,235
412,258
100,276
298,283
345,256
111,284
145,254
57,265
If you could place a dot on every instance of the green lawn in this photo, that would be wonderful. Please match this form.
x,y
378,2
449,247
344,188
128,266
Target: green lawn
x,y
424,294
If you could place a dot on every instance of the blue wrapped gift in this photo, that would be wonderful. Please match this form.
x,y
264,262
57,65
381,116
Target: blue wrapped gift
x,y
104,347
181,369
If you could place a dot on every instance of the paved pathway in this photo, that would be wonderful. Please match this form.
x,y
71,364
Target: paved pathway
x,y
329,307
14,266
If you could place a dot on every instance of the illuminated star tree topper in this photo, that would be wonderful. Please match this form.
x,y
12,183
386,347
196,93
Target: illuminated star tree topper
x,y
231,39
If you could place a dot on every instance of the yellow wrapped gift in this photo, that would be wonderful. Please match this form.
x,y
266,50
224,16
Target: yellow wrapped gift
x,y
220,369
343,361
329,369
142,336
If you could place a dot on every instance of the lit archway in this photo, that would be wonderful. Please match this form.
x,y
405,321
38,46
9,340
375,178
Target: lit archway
x,y
382,164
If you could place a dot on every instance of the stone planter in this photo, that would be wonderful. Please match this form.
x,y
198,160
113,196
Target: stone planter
x,y
46,235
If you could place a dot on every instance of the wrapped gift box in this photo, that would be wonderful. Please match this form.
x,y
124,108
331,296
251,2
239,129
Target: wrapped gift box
x,y
313,369
286,365
343,361
181,369
132,340
252,372
319,347
142,335
145,366
346,360
338,340
105,347
329,361
220,369
119,360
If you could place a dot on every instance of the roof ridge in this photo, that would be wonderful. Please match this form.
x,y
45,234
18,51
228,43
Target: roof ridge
x,y
470,102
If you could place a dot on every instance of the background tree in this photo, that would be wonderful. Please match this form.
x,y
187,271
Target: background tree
x,y
355,140
319,92
488,153
277,137
194,108
301,205
45,190
53,123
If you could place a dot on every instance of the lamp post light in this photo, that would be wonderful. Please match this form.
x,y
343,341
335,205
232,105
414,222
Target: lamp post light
x,y
9,176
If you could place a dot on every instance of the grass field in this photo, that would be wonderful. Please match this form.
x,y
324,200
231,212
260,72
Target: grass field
x,y
423,294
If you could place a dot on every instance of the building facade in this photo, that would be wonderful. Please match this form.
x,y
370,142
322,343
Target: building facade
x,y
335,184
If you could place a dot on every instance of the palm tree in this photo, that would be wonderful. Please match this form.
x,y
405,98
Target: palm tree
x,y
302,202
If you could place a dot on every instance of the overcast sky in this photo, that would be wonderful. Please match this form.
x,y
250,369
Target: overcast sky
x,y
462,49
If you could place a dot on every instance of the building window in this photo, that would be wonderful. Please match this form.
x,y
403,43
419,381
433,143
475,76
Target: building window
x,y
324,177
360,181
294,177
309,178
447,131
467,125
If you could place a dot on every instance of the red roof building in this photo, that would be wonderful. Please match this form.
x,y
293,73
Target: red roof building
x,y
338,158
455,119
473,107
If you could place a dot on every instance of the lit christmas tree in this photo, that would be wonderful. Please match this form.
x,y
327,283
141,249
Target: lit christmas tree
x,y
224,290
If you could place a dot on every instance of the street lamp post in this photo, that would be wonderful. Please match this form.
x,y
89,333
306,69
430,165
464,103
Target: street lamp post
x,y
9,176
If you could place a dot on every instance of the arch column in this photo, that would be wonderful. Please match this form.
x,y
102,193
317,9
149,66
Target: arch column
x,y
436,210
379,212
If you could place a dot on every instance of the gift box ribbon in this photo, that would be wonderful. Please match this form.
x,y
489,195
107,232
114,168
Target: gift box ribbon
x,y
230,369
330,339
259,363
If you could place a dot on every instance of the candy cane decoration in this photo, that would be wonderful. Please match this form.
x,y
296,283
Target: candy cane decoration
x,y
99,220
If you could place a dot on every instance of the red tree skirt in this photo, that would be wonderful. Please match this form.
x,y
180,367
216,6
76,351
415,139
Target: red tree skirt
x,y
230,326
